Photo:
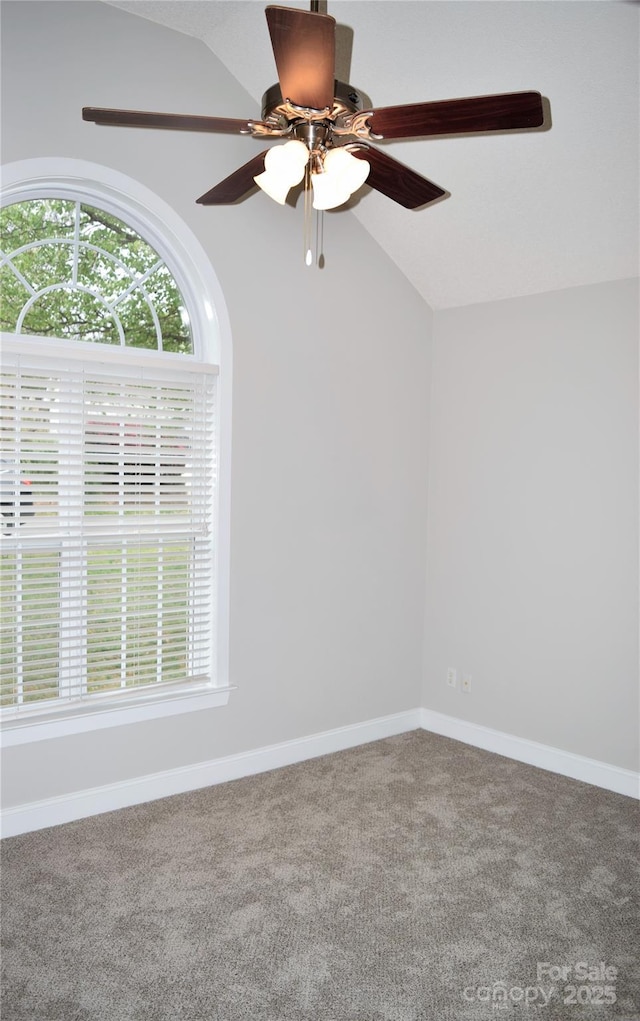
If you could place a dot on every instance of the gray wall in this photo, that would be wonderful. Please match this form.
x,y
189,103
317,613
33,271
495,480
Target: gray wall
x,y
331,371
532,565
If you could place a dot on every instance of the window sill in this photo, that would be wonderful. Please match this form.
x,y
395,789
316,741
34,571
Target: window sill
x,y
84,719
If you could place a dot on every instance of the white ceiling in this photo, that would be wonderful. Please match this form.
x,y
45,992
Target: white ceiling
x,y
527,212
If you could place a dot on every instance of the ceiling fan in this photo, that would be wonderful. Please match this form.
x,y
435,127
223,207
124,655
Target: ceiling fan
x,y
327,130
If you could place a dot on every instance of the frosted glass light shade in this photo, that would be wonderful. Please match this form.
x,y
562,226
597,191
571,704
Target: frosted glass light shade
x,y
342,175
284,166
352,171
328,192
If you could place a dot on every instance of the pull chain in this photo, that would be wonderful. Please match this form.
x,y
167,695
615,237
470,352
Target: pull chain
x,y
320,238
313,228
308,216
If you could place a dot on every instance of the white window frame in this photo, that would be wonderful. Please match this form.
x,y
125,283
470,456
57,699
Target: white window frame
x,y
157,223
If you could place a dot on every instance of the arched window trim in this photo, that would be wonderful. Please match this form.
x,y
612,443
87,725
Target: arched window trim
x,y
158,223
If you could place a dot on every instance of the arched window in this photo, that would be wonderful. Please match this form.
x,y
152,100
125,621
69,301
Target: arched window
x,y
113,570
72,270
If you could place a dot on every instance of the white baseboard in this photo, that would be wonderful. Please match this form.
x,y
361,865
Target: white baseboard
x,y
577,767
37,815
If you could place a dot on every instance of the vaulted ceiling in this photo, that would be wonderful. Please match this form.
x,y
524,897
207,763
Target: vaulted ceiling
x,y
527,211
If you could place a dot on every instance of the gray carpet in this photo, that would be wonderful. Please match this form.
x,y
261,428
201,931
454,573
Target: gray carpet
x,y
411,879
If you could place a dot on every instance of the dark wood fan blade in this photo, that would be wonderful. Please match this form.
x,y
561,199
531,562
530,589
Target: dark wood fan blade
x,y
455,116
236,184
304,46
172,121
393,179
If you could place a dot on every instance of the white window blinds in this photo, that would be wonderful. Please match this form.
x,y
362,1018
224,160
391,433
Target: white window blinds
x,y
107,561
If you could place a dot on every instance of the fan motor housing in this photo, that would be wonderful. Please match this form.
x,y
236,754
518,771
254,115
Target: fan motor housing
x,y
347,100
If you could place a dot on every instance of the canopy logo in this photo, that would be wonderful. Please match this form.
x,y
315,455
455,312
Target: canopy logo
x,y
576,984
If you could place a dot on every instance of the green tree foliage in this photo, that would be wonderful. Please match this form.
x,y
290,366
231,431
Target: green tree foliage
x,y
70,270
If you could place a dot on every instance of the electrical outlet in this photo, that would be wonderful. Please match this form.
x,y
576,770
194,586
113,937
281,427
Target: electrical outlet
x,y
452,678
466,683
